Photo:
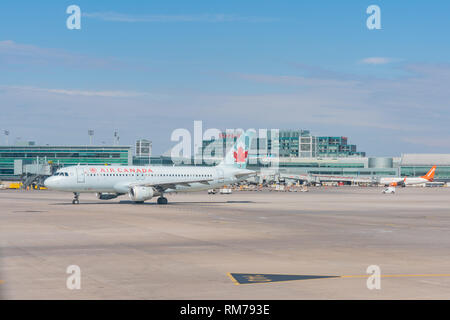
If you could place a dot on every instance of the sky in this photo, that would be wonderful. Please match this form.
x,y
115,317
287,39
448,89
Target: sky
x,y
147,68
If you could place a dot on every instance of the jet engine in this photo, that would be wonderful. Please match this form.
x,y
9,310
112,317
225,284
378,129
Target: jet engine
x,y
107,196
398,184
140,194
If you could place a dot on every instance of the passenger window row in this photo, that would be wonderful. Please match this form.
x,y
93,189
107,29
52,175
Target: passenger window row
x,y
148,175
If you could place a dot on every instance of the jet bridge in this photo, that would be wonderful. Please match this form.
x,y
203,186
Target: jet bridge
x,y
33,173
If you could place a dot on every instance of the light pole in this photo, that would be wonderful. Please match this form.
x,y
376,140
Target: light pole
x,y
6,132
90,134
116,137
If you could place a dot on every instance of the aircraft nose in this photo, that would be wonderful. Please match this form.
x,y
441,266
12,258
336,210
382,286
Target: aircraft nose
x,y
48,183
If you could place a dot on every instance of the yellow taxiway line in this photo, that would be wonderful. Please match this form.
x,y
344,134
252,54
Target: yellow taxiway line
x,y
268,280
399,275
232,279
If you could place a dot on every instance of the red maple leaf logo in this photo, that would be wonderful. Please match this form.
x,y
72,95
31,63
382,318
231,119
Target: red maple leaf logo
x,y
240,155
93,170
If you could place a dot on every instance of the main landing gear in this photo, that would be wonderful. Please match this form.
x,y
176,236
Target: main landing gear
x,y
162,200
76,199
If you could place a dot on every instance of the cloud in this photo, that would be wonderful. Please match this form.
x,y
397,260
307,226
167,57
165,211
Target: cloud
x,y
384,113
428,142
86,93
381,115
295,80
206,18
376,60
17,53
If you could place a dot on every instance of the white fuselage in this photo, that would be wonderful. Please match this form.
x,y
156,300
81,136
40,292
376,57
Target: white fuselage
x,y
406,181
119,179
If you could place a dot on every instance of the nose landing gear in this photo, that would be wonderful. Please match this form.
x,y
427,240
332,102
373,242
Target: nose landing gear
x,y
76,199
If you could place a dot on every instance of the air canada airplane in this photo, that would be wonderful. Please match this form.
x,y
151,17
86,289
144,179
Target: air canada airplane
x,y
145,182
409,181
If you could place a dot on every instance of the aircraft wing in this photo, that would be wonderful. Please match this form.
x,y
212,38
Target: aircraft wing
x,y
170,185
295,176
240,175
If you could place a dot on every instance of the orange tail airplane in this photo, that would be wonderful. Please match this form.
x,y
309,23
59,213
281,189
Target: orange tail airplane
x,y
410,181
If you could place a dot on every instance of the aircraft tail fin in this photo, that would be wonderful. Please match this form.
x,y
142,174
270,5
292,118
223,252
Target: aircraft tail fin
x,y
430,174
238,155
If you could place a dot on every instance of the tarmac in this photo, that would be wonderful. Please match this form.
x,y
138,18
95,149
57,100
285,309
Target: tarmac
x,y
247,245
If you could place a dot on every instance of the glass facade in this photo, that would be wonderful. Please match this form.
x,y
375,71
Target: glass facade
x,y
336,147
290,143
344,167
62,155
297,143
442,172
143,152
155,161
143,148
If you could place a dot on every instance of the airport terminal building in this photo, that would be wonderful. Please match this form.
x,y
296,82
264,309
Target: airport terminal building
x,y
19,160
417,164
288,143
299,153
408,165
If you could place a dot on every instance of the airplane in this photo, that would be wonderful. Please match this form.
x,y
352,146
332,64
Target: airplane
x,y
393,182
145,182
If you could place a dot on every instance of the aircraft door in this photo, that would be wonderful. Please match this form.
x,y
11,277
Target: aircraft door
x,y
80,175
139,176
220,175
